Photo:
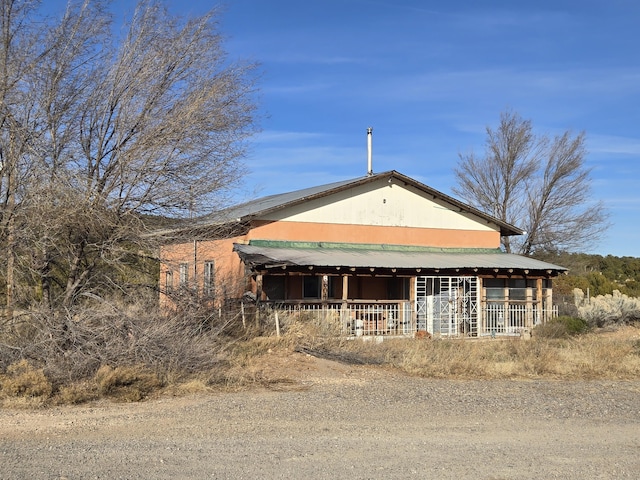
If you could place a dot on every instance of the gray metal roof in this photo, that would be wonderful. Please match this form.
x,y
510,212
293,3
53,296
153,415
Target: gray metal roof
x,y
268,204
271,257
271,202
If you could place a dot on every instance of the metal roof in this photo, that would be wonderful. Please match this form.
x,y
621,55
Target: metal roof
x,y
271,203
361,258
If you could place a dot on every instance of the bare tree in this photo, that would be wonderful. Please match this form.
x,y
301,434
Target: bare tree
x,y
538,183
112,130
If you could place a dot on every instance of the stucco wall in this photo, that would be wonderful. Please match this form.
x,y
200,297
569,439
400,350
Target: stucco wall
x,y
327,232
382,203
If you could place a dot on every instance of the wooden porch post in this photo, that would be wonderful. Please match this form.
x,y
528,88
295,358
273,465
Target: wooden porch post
x,y
413,304
529,308
345,296
324,293
549,304
541,318
258,297
507,313
482,301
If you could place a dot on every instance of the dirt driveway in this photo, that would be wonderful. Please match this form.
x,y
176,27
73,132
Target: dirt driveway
x,y
334,421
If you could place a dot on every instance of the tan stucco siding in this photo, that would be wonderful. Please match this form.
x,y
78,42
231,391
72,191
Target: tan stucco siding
x,y
326,232
382,204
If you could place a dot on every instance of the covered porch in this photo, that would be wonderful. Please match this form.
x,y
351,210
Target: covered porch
x,y
382,291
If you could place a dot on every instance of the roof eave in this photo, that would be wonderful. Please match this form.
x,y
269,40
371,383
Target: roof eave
x,y
324,193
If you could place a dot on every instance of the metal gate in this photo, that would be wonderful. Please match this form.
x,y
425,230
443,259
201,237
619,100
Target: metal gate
x,y
447,306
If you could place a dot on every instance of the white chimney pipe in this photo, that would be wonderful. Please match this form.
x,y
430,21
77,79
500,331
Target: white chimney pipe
x,y
369,163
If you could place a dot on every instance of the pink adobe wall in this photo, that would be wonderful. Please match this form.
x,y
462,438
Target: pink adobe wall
x,y
230,270
324,232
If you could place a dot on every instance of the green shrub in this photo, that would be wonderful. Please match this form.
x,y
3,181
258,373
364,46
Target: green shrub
x,y
574,325
561,327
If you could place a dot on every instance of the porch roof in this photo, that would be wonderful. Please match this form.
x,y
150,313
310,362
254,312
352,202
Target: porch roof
x,y
283,257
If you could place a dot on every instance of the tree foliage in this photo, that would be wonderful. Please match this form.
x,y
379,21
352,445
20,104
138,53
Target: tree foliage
x,y
98,130
596,274
537,182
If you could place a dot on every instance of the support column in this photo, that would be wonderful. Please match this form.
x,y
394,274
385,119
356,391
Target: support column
x,y
344,310
413,309
481,300
506,315
529,308
539,302
549,304
258,297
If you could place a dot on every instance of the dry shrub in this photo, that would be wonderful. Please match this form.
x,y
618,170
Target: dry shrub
x,y
77,393
246,364
74,344
190,387
599,355
561,327
604,310
23,380
128,384
592,355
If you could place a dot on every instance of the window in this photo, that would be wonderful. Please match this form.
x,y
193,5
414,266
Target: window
x,y
311,287
517,288
494,288
184,274
168,281
209,278
274,287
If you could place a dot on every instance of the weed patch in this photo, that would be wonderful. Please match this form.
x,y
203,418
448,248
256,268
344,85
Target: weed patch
x,y
23,380
126,384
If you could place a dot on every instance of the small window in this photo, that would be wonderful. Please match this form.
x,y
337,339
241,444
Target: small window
x,y
184,274
493,282
168,281
209,278
274,287
494,288
311,287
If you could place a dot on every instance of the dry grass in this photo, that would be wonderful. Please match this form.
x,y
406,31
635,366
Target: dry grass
x,y
595,355
24,386
126,384
268,361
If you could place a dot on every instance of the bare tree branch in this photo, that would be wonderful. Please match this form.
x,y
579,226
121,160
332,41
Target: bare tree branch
x,y
96,132
534,182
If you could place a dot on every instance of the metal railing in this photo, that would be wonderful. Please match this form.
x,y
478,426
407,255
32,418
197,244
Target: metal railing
x,y
513,318
397,318
358,318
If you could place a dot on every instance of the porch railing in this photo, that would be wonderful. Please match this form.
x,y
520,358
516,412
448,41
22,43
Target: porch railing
x,y
358,318
398,318
513,318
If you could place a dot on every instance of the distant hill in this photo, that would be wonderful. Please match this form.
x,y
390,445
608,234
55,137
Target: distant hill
x,y
599,274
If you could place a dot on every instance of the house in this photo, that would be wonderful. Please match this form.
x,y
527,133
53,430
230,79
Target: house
x,y
382,254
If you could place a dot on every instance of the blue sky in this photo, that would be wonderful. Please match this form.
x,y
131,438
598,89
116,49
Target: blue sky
x,y
429,76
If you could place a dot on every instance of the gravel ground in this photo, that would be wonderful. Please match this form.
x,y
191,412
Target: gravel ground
x,y
329,420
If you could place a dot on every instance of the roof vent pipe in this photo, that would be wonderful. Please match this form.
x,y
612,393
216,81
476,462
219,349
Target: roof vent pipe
x,y
369,165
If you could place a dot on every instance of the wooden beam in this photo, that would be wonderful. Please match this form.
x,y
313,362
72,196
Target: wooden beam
x,y
345,287
324,295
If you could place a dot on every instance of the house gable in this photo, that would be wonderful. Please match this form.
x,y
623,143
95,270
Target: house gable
x,y
384,202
